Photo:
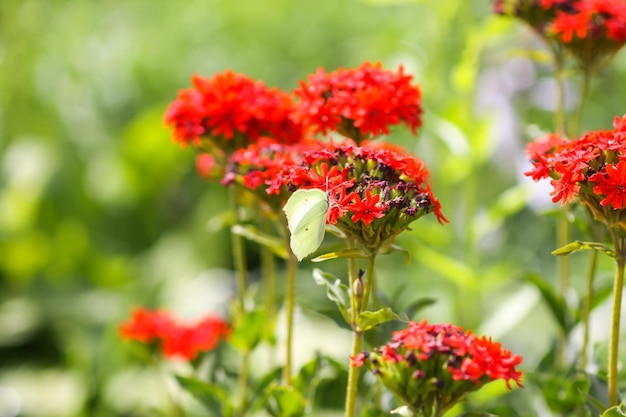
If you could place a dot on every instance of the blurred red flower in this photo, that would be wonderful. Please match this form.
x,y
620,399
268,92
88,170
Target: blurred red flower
x,y
359,103
232,110
176,340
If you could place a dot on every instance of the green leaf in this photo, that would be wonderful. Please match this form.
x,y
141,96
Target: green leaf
x,y
249,328
213,397
273,243
613,412
256,398
336,291
476,414
370,319
555,302
307,379
387,249
283,401
346,253
580,245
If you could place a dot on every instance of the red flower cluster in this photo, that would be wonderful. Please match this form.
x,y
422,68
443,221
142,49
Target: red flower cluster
x,y
592,168
185,341
595,157
374,191
261,166
590,29
430,365
231,107
359,103
589,19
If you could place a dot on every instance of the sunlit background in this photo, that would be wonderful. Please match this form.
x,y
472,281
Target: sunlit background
x,y
100,211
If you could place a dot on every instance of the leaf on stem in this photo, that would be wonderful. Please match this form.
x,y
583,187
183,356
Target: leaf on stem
x,y
273,243
387,249
369,319
284,401
613,412
346,253
336,291
577,245
213,397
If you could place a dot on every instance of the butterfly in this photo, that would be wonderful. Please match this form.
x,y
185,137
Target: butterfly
x,y
306,212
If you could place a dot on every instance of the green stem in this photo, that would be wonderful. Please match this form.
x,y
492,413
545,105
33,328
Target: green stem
x,y
591,272
268,266
618,286
243,384
559,114
292,266
586,82
562,231
239,257
369,283
357,337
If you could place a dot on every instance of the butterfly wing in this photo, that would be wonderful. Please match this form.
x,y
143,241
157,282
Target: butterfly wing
x,y
306,217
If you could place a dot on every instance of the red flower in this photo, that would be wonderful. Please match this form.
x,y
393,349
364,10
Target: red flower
x,y
454,361
229,106
176,340
358,359
567,24
147,326
366,209
359,103
611,182
205,164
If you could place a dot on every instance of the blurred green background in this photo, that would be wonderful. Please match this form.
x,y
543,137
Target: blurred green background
x,y
100,211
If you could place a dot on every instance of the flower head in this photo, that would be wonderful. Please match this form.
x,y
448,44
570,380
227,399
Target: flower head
x,y
176,340
433,366
231,110
374,191
359,103
590,169
589,29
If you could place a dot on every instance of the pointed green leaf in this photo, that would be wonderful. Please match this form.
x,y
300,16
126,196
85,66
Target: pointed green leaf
x,y
555,302
387,249
613,412
250,232
257,396
214,397
370,319
335,291
249,329
580,245
283,401
307,379
346,253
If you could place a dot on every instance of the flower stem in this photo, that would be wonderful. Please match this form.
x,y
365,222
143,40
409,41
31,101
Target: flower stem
x,y
559,114
591,272
586,82
618,286
562,231
268,266
239,257
292,266
243,384
357,337
369,283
